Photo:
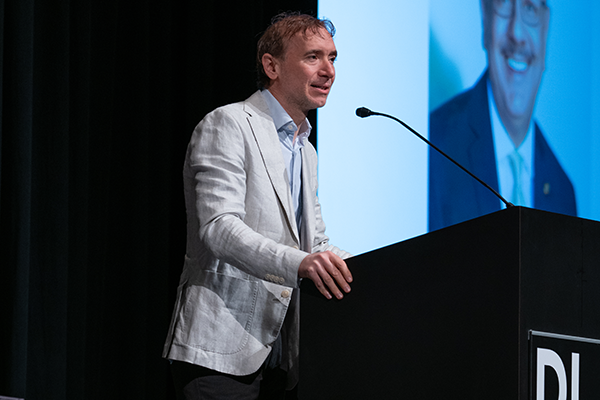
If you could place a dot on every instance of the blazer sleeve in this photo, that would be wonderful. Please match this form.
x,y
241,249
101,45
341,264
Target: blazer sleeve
x,y
320,241
239,219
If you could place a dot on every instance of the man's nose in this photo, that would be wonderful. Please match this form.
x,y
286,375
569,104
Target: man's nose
x,y
516,26
328,69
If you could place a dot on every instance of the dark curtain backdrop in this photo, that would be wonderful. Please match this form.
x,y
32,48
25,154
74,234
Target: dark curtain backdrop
x,y
98,99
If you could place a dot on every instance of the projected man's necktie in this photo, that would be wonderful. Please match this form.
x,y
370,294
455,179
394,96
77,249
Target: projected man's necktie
x,y
516,165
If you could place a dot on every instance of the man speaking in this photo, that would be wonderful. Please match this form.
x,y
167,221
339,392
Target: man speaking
x,y
490,130
255,227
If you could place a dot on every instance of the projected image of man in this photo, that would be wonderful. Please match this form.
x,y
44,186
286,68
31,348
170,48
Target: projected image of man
x,y
490,128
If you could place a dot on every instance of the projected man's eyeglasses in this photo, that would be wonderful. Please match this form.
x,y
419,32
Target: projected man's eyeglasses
x,y
532,11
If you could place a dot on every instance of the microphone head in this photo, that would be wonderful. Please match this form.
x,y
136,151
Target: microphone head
x,y
363,112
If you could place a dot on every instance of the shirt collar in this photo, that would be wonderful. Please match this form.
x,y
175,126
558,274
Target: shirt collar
x,y
283,122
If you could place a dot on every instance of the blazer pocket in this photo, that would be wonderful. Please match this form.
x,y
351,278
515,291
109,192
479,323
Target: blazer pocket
x,y
218,313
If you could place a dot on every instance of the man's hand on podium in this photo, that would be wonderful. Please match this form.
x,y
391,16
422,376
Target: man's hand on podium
x,y
328,271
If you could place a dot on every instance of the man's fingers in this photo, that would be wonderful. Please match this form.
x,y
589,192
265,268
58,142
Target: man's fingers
x,y
341,273
330,282
314,276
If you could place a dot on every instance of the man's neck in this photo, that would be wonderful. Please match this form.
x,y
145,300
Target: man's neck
x,y
295,114
515,127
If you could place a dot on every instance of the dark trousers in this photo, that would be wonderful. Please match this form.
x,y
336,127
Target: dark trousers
x,y
193,382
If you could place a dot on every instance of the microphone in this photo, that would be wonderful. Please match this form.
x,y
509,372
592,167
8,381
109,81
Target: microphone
x,y
364,112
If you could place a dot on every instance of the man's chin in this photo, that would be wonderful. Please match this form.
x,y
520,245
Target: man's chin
x,y
515,102
318,103
521,106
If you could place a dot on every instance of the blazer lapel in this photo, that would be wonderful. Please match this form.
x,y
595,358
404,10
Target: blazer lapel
x,y
266,138
482,158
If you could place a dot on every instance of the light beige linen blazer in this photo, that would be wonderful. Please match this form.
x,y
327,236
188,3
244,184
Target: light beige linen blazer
x,y
243,246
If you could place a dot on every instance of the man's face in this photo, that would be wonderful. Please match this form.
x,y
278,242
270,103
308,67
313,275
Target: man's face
x,y
515,40
302,78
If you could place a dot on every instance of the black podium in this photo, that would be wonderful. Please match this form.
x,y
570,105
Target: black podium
x,y
476,310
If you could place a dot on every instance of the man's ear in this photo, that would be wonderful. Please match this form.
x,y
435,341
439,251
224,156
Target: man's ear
x,y
269,64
